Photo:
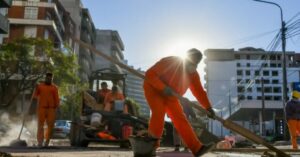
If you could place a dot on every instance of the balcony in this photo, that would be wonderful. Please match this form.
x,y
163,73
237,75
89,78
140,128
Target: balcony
x,y
5,3
4,24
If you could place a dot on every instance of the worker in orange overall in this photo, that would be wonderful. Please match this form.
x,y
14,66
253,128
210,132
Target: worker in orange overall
x,y
103,92
175,75
46,96
111,97
292,110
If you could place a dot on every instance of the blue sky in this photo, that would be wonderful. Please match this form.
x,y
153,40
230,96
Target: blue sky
x,y
152,29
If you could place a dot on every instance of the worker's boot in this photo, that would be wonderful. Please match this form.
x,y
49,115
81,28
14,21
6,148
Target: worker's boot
x,y
177,148
204,149
46,144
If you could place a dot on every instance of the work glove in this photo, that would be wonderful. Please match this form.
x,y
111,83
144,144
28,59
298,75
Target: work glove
x,y
211,113
168,91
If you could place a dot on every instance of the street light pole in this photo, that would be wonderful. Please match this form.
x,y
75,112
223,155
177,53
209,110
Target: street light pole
x,y
284,79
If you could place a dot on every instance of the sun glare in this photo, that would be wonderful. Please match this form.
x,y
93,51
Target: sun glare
x,y
180,47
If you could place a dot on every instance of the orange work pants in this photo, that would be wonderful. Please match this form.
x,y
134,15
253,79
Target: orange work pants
x,y
294,128
160,105
45,115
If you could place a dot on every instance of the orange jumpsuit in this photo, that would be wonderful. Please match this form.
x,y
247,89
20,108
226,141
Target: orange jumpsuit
x,y
102,93
110,97
48,101
170,72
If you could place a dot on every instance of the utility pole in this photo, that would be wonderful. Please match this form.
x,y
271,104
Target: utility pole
x,y
284,79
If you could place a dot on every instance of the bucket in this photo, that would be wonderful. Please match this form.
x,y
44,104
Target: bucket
x,y
143,146
96,119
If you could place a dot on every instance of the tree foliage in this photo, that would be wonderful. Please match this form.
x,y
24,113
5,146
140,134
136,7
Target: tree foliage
x,y
24,62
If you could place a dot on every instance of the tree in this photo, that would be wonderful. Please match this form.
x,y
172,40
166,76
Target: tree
x,y
25,61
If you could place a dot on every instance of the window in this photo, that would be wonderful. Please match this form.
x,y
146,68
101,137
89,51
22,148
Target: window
x,y
268,89
275,81
239,72
238,64
268,98
241,97
277,90
248,57
249,89
263,57
258,97
265,64
248,64
31,12
278,57
258,89
266,81
237,57
277,97
257,81
240,89
239,80
274,73
266,73
249,97
256,72
272,65
248,72
279,65
272,57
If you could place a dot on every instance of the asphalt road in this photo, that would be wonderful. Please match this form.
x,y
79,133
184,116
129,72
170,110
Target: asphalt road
x,y
61,148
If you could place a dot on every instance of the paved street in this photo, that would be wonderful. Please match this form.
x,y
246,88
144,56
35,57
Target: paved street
x,y
114,151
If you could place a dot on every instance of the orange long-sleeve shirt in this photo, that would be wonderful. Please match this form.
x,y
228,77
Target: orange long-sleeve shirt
x,y
170,72
113,96
47,95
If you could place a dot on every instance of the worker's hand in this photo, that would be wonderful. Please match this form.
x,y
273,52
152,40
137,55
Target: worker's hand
x,y
168,91
211,113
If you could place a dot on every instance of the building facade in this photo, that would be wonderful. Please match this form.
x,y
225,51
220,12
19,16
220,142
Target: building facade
x,y
4,23
234,81
38,19
87,35
134,89
41,19
110,43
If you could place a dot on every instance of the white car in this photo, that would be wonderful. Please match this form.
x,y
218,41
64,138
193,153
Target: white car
x,y
61,129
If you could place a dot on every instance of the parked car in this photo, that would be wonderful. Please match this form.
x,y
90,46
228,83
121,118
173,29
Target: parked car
x,y
62,129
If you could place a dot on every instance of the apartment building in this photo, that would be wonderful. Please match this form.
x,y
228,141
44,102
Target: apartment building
x,y
4,24
234,81
110,43
134,89
38,19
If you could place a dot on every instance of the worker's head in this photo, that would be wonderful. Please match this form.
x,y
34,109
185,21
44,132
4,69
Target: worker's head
x,y
114,89
193,58
296,95
104,85
48,78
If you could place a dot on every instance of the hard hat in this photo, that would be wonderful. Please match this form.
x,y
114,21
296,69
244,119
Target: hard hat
x,y
296,94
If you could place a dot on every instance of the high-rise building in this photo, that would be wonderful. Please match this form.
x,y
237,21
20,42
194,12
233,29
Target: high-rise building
x,y
110,43
38,19
4,24
84,31
234,82
87,35
134,89
41,19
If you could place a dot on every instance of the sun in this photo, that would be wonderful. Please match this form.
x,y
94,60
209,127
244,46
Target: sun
x,y
181,46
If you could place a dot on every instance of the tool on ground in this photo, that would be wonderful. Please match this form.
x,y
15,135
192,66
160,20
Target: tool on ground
x,y
18,142
227,123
